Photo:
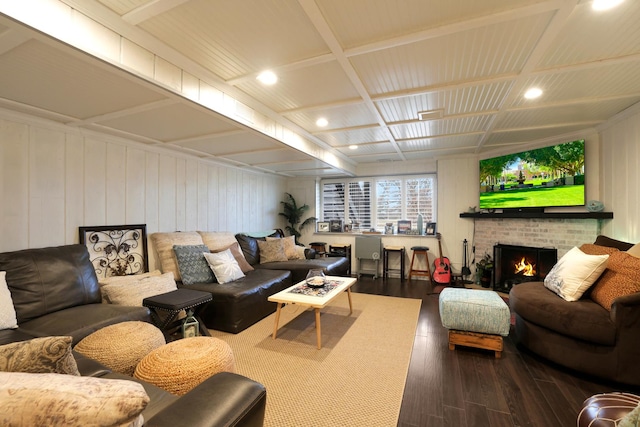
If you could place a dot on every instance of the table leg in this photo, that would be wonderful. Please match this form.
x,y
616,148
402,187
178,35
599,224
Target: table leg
x,y
318,332
350,304
275,327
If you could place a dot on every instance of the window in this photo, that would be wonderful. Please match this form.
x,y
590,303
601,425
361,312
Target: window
x,y
373,202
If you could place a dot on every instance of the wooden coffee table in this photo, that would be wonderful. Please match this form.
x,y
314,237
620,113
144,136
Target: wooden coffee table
x,y
315,298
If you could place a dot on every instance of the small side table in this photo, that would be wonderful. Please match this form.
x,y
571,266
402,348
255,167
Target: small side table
x,y
173,303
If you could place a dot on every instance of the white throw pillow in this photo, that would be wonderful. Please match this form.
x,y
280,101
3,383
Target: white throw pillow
x,y
132,293
7,310
224,266
575,273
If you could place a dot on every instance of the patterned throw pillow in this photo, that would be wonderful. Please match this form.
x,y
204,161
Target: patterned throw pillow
x,y
132,294
39,355
224,266
575,273
8,318
289,246
271,251
66,400
193,267
621,278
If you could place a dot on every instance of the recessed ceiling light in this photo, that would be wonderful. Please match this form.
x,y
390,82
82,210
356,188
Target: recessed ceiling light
x,y
322,122
267,77
605,4
533,93
353,147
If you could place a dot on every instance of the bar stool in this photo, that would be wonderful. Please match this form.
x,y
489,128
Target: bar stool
x,y
420,250
385,260
319,247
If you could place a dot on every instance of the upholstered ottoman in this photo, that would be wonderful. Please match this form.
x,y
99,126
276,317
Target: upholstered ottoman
x,y
475,318
121,346
181,365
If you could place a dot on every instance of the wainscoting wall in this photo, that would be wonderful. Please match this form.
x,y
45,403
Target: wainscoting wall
x,y
54,179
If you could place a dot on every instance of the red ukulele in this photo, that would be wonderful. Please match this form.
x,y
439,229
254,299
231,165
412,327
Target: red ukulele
x,y
442,272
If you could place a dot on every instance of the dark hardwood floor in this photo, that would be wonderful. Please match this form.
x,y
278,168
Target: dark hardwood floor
x,y
469,387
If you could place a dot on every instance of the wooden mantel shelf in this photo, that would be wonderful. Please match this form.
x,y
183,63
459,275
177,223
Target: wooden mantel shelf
x,y
543,215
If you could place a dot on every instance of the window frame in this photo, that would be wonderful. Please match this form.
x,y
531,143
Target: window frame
x,y
373,180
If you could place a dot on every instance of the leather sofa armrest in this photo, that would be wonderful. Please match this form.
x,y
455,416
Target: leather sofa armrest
x,y
224,399
309,253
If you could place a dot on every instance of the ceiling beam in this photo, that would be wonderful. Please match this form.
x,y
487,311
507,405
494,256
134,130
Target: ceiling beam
x,y
316,17
151,9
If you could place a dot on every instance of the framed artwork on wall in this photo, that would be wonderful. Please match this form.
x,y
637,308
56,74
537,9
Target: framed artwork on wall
x,y
116,250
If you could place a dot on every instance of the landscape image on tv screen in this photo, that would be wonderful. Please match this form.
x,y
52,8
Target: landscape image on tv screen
x,y
544,177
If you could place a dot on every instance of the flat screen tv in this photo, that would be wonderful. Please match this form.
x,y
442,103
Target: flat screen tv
x,y
544,177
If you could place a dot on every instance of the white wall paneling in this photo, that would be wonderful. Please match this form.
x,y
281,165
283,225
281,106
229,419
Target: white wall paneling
x,y
619,177
54,179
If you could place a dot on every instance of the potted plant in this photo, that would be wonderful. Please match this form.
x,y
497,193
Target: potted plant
x,y
484,269
293,213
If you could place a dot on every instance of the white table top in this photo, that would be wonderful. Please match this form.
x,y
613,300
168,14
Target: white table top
x,y
315,301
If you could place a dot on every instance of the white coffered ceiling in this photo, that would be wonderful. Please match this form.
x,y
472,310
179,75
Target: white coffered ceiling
x,y
367,66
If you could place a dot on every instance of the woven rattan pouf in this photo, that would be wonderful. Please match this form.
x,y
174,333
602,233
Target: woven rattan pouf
x,y
120,347
181,365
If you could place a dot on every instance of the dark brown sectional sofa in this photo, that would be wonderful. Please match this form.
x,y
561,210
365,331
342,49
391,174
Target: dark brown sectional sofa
x,y
241,303
55,292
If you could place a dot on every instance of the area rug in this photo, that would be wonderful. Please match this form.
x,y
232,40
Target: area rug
x,y
357,378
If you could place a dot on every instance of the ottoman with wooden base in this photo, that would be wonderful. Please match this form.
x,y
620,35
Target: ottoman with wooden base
x,y
475,318
121,346
181,365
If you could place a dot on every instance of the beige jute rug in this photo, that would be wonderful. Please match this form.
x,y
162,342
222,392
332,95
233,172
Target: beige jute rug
x,y
356,379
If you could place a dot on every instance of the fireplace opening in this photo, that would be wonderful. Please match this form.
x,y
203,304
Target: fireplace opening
x,y
519,264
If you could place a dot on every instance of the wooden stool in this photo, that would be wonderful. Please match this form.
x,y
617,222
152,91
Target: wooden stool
x,y
420,250
319,247
385,260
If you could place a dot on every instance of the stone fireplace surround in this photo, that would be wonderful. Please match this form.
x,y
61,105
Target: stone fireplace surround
x,y
563,234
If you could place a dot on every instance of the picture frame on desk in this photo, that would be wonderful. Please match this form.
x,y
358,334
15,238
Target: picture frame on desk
x,y
404,226
335,226
323,226
430,230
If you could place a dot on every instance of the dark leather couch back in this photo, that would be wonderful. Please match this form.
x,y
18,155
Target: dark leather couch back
x,y
46,280
249,245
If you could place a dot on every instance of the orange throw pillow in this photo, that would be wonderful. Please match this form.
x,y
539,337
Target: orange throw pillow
x,y
622,277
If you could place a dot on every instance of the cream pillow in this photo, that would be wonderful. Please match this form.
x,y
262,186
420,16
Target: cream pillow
x,y
289,246
271,251
224,266
132,293
164,243
67,400
575,273
130,278
8,318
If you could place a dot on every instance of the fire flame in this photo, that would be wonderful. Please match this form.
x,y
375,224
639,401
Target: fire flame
x,y
524,267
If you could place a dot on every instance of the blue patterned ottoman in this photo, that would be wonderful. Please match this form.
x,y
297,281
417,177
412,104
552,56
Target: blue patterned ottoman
x,y
475,318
